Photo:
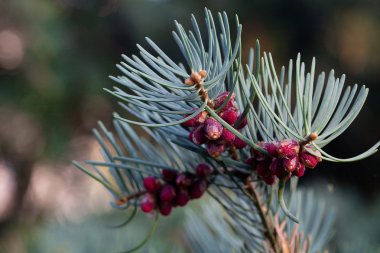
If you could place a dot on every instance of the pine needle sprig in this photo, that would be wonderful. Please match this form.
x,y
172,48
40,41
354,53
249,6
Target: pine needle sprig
x,y
239,133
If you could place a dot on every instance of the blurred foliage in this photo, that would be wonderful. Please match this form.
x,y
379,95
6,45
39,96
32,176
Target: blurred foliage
x,y
357,230
95,235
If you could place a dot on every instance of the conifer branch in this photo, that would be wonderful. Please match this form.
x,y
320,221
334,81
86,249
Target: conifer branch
x,y
211,125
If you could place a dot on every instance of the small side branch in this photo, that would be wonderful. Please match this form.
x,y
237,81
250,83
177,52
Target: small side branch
x,y
257,201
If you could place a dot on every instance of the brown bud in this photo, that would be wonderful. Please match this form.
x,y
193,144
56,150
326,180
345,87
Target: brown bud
x,y
313,136
188,81
195,77
121,202
203,73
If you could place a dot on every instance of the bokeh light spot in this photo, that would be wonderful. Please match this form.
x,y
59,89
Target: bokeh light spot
x,y
11,49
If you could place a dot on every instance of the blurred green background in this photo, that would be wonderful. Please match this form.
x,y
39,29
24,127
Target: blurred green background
x,y
55,58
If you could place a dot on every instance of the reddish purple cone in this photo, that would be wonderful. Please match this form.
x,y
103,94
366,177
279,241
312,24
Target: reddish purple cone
x,y
212,129
148,203
239,143
198,135
183,180
269,179
272,148
300,171
152,184
251,161
278,169
181,198
290,164
229,116
165,208
219,100
169,175
227,136
189,123
242,124
262,168
276,164
288,148
309,160
190,137
195,121
257,154
197,189
167,193
214,149
203,170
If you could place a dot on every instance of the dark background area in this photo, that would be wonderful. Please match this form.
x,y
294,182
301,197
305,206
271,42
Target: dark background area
x,y
55,58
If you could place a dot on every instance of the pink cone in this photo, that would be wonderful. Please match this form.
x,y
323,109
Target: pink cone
x,y
269,180
288,148
242,124
167,193
278,169
182,198
198,135
197,189
213,129
229,116
165,208
257,154
300,171
203,170
214,149
251,161
148,203
227,136
152,184
239,143
219,100
290,164
309,160
262,168
272,148
183,180
196,120
169,175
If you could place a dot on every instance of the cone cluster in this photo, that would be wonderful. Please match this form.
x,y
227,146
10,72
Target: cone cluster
x,y
174,189
207,130
285,158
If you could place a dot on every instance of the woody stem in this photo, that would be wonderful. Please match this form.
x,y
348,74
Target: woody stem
x,y
257,201
130,196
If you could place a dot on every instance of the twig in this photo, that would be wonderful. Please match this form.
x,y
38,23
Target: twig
x,y
257,201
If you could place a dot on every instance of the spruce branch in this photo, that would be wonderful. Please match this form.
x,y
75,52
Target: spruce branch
x,y
239,133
